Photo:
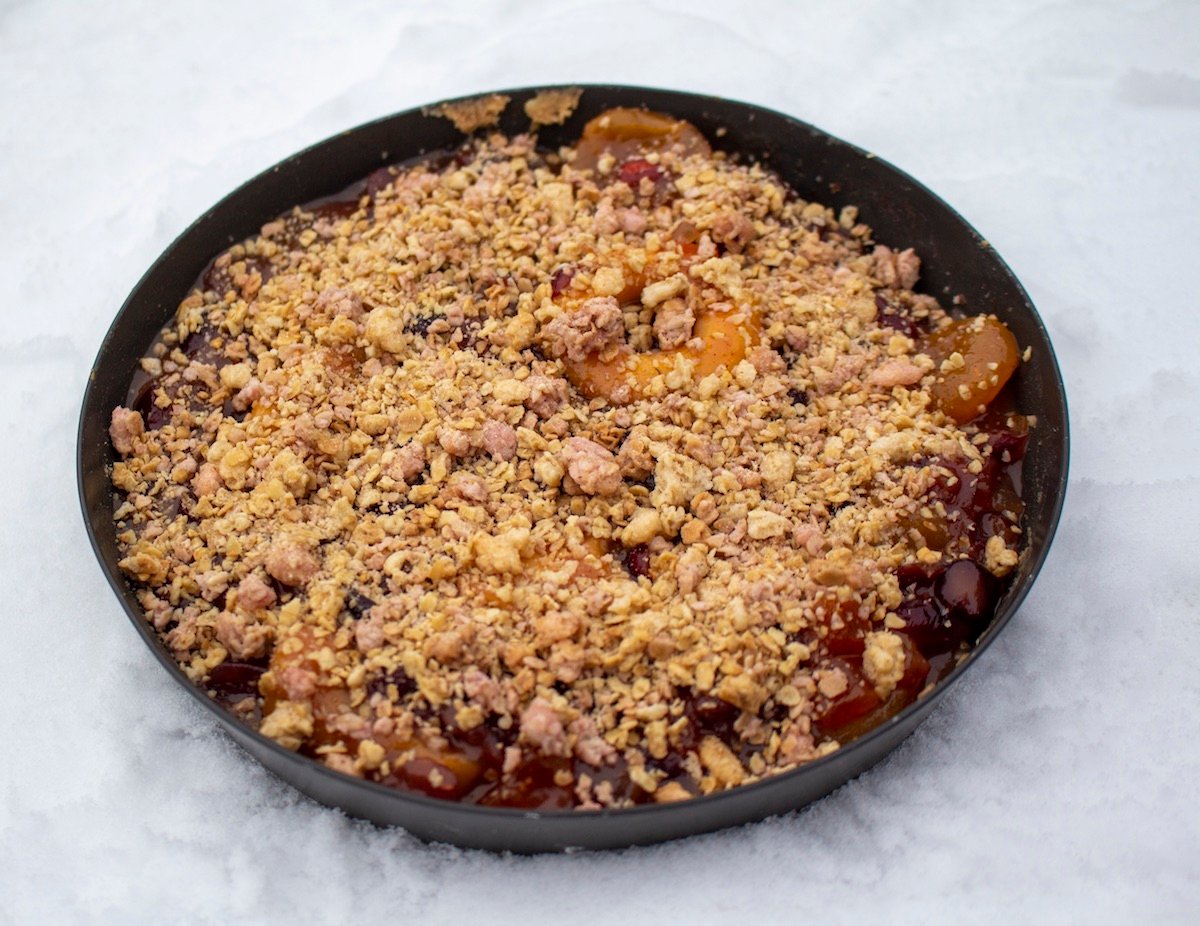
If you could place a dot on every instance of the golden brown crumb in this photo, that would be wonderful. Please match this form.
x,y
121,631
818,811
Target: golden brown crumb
x,y
471,115
553,107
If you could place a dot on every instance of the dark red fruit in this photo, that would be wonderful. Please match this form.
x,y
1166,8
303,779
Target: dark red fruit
x,y
420,325
834,716
637,560
847,626
946,606
895,317
710,716
358,604
965,588
233,681
561,280
1007,435
143,402
398,677
198,347
635,170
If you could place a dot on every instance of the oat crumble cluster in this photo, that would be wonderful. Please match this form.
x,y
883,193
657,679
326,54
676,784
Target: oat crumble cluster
x,y
573,478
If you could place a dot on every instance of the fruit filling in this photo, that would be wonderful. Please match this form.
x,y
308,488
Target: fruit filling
x,y
569,478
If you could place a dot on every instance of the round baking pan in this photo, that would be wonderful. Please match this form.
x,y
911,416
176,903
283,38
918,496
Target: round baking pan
x,y
956,262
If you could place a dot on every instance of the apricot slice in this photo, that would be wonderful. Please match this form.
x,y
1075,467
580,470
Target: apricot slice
x,y
621,375
436,770
627,133
975,357
724,338
301,651
859,709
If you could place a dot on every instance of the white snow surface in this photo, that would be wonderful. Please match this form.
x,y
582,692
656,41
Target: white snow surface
x,y
1058,782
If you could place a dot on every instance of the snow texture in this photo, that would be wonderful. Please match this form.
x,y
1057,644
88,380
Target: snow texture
x,y
1057,783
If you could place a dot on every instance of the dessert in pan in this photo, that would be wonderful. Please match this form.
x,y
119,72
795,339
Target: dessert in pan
x,y
569,477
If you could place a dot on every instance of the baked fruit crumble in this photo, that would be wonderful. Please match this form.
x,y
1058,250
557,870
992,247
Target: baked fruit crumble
x,y
569,479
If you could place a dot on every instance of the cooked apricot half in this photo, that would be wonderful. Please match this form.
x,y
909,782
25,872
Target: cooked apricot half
x,y
975,358
625,133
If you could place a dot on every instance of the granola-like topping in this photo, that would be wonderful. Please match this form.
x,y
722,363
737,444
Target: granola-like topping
x,y
552,107
541,484
470,115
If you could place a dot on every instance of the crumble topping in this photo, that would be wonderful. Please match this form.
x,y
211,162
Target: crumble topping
x,y
535,483
477,113
552,107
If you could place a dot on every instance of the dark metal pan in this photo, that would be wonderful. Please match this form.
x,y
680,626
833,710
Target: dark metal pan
x,y
956,261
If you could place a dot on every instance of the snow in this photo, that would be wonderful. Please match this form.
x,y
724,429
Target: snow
x,y
1056,782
